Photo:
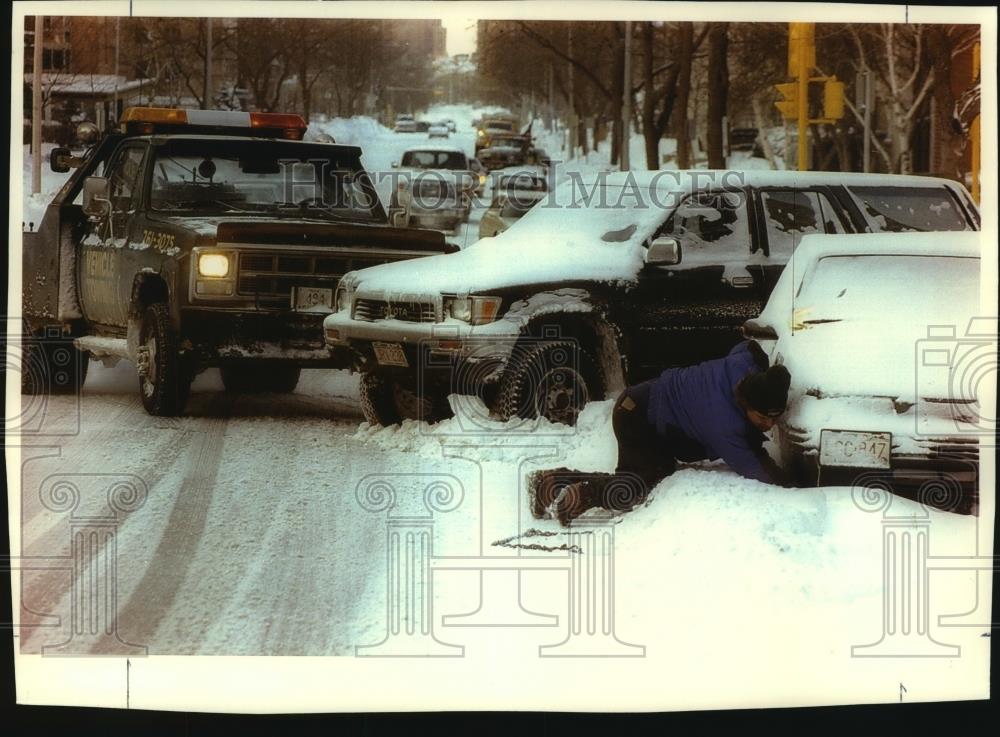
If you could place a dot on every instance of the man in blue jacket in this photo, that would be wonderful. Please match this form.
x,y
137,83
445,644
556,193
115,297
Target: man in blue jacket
x,y
716,409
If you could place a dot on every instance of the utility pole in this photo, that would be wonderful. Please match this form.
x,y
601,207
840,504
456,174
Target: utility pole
x,y
208,65
806,46
118,44
552,99
36,108
869,103
572,104
627,102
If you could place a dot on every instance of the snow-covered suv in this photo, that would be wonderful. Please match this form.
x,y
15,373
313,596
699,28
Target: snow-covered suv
x,y
603,284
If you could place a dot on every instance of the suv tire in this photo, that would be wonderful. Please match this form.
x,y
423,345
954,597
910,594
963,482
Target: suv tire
x,y
552,379
164,379
385,402
258,379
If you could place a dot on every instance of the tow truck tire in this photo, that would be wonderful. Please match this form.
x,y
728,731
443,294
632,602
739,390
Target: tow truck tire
x,y
51,365
165,386
554,379
255,380
386,402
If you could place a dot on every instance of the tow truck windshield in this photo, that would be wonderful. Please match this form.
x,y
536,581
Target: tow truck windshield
x,y
229,176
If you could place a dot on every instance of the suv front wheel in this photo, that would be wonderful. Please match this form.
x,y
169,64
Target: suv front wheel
x,y
551,379
385,401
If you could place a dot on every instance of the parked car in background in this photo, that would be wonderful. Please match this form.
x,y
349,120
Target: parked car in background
x,y
438,130
599,289
505,150
405,124
862,322
423,126
492,126
434,189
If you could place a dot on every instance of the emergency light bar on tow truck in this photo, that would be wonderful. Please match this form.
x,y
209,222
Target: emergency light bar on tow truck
x,y
150,120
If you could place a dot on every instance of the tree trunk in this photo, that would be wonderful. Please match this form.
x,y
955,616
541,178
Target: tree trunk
x,y
718,91
650,132
947,156
617,90
685,43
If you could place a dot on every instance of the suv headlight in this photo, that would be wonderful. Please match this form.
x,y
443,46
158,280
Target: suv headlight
x,y
473,309
345,292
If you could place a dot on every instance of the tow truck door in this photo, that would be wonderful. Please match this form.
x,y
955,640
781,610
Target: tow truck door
x,y
104,285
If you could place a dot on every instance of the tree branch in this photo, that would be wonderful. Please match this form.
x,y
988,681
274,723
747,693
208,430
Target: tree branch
x,y
545,43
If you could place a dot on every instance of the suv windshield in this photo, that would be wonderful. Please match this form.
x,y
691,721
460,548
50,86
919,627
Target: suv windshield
x,y
225,176
434,160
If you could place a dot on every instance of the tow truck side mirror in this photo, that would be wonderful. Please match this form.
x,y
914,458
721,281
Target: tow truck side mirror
x,y
96,203
664,251
61,160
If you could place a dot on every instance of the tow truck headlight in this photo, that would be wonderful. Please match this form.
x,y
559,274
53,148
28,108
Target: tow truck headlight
x,y
214,265
473,310
213,273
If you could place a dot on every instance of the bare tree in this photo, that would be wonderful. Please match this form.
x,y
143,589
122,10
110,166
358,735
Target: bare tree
x,y
718,92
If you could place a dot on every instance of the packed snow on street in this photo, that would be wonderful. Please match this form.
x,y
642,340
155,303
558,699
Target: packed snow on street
x,y
263,525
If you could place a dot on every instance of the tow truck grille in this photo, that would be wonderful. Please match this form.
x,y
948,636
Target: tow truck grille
x,y
272,275
377,309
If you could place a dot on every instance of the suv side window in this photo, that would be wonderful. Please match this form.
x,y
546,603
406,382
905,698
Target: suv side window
x,y
791,214
710,226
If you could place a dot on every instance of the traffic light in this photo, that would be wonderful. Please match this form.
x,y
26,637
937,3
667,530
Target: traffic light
x,y
833,99
789,105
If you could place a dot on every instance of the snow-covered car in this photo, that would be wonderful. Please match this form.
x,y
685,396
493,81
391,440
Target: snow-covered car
x,y
604,284
874,328
433,188
405,124
438,130
450,125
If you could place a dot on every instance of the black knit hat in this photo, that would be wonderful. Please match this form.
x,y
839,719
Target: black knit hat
x,y
767,392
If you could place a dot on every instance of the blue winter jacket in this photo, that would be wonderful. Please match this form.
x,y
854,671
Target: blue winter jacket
x,y
700,401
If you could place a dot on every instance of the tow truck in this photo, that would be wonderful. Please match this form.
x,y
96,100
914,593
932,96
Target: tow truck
x,y
188,239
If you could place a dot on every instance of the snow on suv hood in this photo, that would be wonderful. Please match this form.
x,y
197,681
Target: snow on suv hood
x,y
554,242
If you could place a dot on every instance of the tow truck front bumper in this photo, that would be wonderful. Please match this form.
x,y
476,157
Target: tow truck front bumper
x,y
220,337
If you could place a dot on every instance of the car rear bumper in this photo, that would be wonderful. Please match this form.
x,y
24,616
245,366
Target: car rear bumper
x,y
930,453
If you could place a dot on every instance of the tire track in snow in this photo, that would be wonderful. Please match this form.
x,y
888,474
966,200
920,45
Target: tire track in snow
x,y
139,619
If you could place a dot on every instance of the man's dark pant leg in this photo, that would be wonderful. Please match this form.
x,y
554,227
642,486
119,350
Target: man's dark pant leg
x,y
643,460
